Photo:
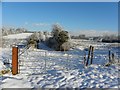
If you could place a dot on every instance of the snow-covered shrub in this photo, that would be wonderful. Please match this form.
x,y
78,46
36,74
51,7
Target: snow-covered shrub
x,y
4,32
47,36
65,46
56,30
59,37
34,39
32,43
41,36
63,37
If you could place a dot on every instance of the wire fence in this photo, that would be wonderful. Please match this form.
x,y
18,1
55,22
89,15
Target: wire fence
x,y
40,61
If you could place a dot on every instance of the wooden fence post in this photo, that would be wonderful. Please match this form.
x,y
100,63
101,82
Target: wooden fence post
x,y
92,49
88,55
109,57
113,58
84,57
14,60
45,62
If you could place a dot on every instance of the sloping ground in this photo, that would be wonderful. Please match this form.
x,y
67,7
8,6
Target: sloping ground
x,y
52,69
18,36
1,63
86,43
8,80
63,70
15,39
92,77
18,81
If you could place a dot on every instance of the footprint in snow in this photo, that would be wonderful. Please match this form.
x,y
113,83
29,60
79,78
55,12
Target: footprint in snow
x,y
59,78
39,82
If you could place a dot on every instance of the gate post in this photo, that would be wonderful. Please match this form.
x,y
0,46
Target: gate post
x,y
92,55
14,60
84,57
109,56
88,55
113,60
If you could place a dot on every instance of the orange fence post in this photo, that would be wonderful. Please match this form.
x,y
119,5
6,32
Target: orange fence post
x,y
14,60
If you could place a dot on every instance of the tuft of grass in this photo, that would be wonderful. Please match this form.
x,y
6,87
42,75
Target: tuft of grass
x,y
108,64
4,72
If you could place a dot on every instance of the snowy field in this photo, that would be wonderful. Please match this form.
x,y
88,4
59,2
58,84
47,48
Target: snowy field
x,y
45,68
18,36
15,39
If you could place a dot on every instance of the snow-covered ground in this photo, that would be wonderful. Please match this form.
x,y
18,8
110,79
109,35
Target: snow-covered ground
x,y
18,36
44,68
13,39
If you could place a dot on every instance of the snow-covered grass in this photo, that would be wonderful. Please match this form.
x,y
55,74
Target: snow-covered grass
x,y
44,68
15,39
18,81
18,36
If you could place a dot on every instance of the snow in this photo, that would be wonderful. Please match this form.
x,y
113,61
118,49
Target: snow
x,y
17,81
1,65
45,68
20,39
18,36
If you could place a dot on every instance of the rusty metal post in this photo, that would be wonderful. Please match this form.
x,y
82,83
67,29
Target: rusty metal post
x,y
92,49
88,55
14,60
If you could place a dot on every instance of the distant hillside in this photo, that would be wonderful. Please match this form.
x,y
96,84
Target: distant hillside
x,y
7,31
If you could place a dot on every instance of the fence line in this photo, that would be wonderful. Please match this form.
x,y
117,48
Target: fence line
x,y
48,56
24,50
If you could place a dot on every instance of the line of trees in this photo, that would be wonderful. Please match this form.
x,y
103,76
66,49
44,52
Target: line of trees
x,y
111,38
82,36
